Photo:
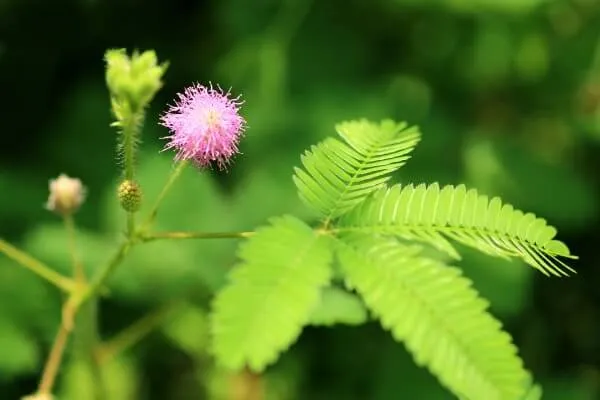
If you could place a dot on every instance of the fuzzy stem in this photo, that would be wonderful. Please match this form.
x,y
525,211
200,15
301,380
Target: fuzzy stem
x,y
175,173
194,235
131,130
37,267
133,333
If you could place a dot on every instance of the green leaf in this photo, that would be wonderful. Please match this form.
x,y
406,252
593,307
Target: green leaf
x,y
430,214
188,329
534,393
338,306
271,294
440,318
337,176
20,353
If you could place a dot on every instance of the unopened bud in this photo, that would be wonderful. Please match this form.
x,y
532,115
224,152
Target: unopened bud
x,y
134,79
130,196
66,195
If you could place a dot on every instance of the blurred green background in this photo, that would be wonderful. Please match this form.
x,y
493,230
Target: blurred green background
x,y
507,93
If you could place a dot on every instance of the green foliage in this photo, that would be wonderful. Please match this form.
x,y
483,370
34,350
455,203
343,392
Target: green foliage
x,y
429,306
338,176
120,374
512,172
535,393
271,295
338,306
499,277
523,73
428,213
163,270
19,351
441,319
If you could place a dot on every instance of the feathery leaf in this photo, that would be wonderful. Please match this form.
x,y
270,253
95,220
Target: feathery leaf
x,y
440,318
429,214
338,176
337,306
271,294
534,393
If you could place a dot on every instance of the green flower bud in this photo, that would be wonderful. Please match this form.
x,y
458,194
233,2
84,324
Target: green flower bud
x,y
134,79
118,71
141,63
130,196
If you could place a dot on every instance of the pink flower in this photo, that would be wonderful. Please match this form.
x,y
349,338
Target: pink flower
x,y
205,125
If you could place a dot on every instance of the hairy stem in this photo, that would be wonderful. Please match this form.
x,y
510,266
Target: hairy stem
x,y
175,173
194,235
37,267
134,333
131,130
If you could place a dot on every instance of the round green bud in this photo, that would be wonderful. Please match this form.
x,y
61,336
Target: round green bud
x,y
130,196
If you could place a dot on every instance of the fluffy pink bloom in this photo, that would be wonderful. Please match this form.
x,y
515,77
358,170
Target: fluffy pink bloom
x,y
205,125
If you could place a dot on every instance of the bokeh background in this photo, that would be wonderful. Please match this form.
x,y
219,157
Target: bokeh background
x,y
507,93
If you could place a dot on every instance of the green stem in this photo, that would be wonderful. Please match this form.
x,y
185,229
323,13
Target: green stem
x,y
54,360
78,272
100,279
175,173
86,341
131,131
133,333
194,235
130,225
37,267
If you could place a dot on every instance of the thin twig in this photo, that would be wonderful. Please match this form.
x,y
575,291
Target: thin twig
x,y
78,272
57,351
176,172
99,280
133,333
194,235
37,267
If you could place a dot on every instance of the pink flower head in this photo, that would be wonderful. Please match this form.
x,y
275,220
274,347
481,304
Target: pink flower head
x,y
205,125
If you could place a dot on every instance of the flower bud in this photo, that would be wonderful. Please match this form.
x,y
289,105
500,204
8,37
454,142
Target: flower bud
x,y
130,196
134,79
66,195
